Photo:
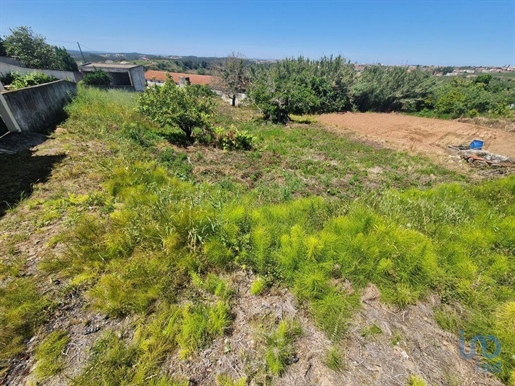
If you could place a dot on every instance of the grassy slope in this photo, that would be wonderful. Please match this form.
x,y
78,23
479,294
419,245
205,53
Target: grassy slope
x,y
152,229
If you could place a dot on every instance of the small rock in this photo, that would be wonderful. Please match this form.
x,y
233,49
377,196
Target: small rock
x,y
91,330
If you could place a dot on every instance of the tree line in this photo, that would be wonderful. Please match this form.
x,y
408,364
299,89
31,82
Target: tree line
x,y
331,84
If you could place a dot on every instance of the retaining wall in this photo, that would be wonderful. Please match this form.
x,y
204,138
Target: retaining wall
x,y
6,68
38,108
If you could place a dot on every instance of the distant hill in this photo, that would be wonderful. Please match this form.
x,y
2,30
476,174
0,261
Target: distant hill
x,y
174,63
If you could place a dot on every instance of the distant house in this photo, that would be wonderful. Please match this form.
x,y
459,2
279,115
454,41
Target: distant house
x,y
158,77
126,76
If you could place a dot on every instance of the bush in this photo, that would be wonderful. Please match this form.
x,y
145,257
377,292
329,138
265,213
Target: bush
x,y
97,78
18,81
233,139
187,107
481,95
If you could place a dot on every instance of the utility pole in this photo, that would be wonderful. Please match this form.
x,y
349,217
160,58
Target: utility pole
x,y
80,49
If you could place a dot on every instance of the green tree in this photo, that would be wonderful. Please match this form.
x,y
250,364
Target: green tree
x,y
34,52
388,89
464,97
30,48
301,86
447,70
63,60
233,74
186,107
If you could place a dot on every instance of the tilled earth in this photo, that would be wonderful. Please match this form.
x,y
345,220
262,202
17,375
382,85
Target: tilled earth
x,y
421,136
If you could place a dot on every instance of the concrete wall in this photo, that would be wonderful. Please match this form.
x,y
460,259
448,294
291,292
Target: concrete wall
x,y
39,108
138,78
6,59
227,98
6,68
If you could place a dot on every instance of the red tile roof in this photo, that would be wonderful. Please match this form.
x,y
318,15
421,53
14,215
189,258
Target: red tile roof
x,y
194,79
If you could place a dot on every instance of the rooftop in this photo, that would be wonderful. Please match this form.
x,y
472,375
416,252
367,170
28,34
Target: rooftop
x,y
92,66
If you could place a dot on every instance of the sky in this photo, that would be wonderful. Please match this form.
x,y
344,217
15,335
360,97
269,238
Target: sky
x,y
425,32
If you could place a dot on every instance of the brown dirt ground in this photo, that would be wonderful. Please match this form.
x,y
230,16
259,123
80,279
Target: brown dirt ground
x,y
420,136
423,348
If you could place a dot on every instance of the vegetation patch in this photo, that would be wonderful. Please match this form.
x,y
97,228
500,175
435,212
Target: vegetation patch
x,y
49,354
16,80
163,237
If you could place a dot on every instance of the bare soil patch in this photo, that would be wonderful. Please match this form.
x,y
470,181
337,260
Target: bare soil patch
x,y
421,136
406,342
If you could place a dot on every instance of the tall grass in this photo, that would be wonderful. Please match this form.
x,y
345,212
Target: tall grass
x,y
49,354
22,311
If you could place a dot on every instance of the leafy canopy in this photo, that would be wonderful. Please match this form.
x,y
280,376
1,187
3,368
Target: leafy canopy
x,y
387,89
301,86
186,107
34,52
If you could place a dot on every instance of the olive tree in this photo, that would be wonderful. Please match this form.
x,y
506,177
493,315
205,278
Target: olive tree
x,y
233,75
186,107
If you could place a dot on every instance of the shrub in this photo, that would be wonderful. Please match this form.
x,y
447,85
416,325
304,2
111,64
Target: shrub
x,y
233,139
97,78
186,107
18,81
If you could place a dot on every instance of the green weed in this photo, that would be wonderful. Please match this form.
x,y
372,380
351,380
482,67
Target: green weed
x,y
22,310
225,380
280,351
416,380
396,338
334,359
371,330
258,286
201,324
49,354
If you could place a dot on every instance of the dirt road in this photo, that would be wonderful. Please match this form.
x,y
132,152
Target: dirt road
x,y
422,136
